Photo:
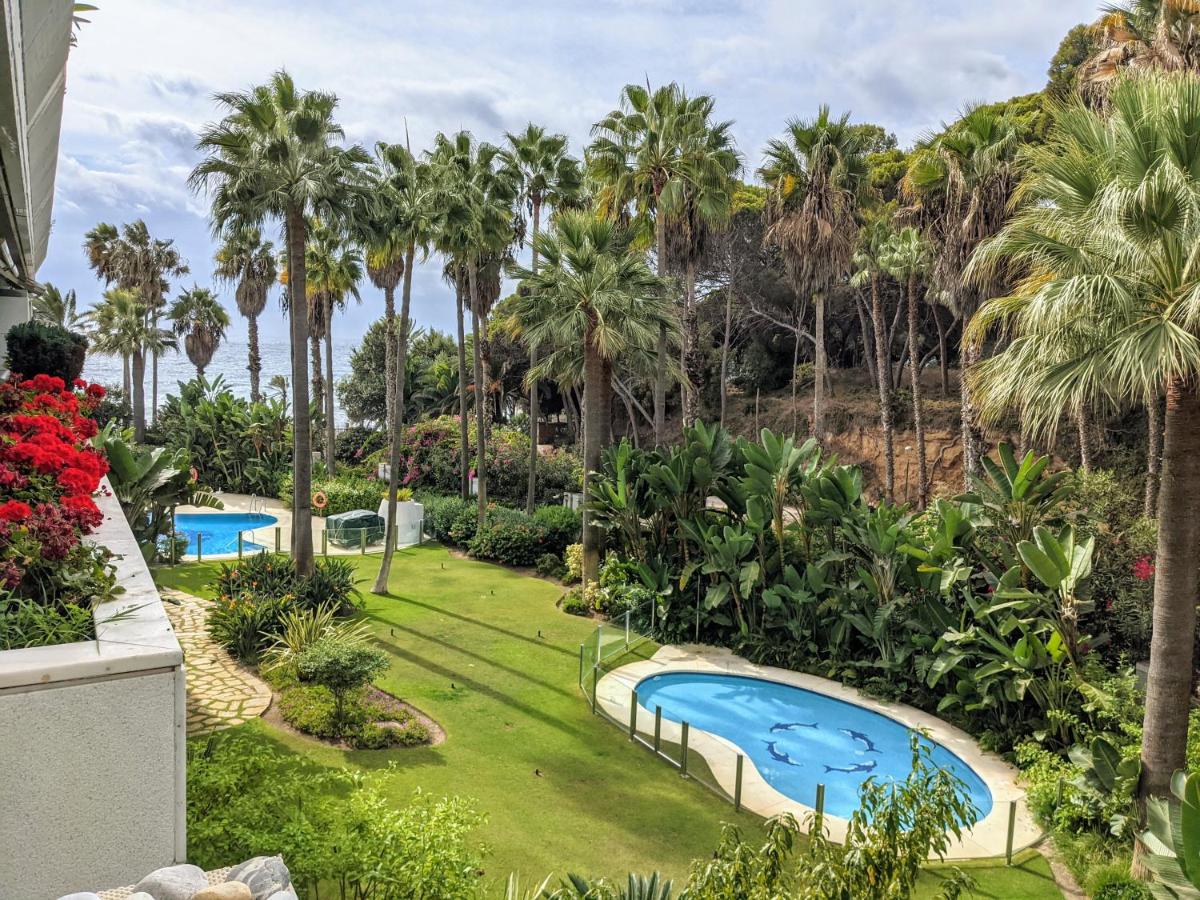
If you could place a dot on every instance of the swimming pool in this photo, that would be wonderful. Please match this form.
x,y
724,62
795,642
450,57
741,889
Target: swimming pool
x,y
798,738
219,531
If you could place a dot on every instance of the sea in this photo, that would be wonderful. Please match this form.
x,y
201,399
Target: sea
x,y
230,362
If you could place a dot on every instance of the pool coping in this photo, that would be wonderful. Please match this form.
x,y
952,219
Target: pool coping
x,y
985,839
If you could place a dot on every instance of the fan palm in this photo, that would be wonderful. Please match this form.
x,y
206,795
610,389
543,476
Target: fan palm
x,y
591,293
1143,34
1109,311
960,184
547,175
906,258
199,318
122,327
54,307
245,260
275,155
817,176
638,157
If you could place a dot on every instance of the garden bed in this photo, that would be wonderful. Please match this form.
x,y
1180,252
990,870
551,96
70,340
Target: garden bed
x,y
400,716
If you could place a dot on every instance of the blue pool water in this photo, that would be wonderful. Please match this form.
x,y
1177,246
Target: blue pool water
x,y
798,739
219,531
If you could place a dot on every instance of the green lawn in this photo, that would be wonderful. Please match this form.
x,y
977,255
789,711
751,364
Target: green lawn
x,y
485,652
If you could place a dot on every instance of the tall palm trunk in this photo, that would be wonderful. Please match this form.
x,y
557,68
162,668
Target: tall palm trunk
x,y
820,367
1154,445
1085,441
480,396
943,363
1176,581
330,426
534,411
690,382
318,380
255,360
126,379
154,383
725,353
302,544
914,369
660,376
464,451
597,413
139,395
395,390
389,353
883,368
972,438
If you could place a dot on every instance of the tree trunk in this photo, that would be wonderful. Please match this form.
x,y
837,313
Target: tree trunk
x,y
480,396
318,381
395,389
597,413
972,439
1085,441
795,382
139,396
820,367
725,353
883,368
914,368
127,379
660,375
389,353
868,337
1176,581
302,545
943,363
463,427
691,373
154,382
330,425
531,492
255,361
1153,456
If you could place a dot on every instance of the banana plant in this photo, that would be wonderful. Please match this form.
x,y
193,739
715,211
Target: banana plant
x,y
775,471
731,564
615,502
1174,839
1105,773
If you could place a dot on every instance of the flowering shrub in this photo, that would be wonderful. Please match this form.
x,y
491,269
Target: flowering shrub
x,y
49,471
509,537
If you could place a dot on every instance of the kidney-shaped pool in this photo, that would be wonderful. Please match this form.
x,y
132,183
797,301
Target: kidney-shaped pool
x,y
798,739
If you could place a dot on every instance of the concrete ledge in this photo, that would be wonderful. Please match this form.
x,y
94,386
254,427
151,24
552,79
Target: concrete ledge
x,y
986,838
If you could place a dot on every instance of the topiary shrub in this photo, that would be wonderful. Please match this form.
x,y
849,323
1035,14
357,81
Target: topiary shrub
x,y
36,348
441,512
509,537
550,565
341,667
573,602
562,525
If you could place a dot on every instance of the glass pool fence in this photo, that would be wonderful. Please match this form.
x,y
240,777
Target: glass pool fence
x,y
197,546
626,638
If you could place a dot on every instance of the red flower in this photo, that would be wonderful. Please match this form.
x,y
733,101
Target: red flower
x,y
1143,569
15,511
95,391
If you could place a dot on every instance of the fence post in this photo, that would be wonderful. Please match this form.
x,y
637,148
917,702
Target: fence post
x,y
278,537
683,744
657,729
1012,827
599,653
820,810
199,547
737,785
633,715
581,667
324,542
697,616
240,545
174,557
595,681
362,541
627,613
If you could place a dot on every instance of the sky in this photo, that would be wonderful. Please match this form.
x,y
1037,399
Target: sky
x,y
141,82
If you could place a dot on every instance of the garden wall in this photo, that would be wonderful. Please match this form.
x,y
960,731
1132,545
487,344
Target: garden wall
x,y
93,743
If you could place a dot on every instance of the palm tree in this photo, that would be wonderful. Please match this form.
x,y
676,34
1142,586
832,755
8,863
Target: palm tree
x,y
906,258
122,327
869,266
198,317
334,269
54,307
275,155
817,176
547,175
638,156
1107,312
1142,34
591,294
401,221
247,261
960,185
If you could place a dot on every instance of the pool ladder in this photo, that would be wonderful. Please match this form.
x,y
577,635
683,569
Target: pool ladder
x,y
256,504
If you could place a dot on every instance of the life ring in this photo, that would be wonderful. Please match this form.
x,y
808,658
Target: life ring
x,y
320,501
195,473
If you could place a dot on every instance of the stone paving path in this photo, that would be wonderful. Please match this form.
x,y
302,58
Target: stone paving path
x,y
220,693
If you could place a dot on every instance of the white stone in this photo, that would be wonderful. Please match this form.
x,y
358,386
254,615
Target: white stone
x,y
80,895
286,894
264,875
173,882
140,895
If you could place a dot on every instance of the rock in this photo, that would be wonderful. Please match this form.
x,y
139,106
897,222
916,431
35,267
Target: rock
x,y
173,883
264,875
140,895
286,894
80,895
229,890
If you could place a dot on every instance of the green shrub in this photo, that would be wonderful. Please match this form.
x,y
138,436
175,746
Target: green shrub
x,y
36,348
28,623
1113,882
340,666
573,558
550,565
312,708
343,493
241,623
331,583
441,512
573,602
466,521
562,526
509,537
353,445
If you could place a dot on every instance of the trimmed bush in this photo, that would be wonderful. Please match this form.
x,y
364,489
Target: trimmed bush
x,y
440,514
36,348
343,493
550,565
574,603
341,667
509,537
562,525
